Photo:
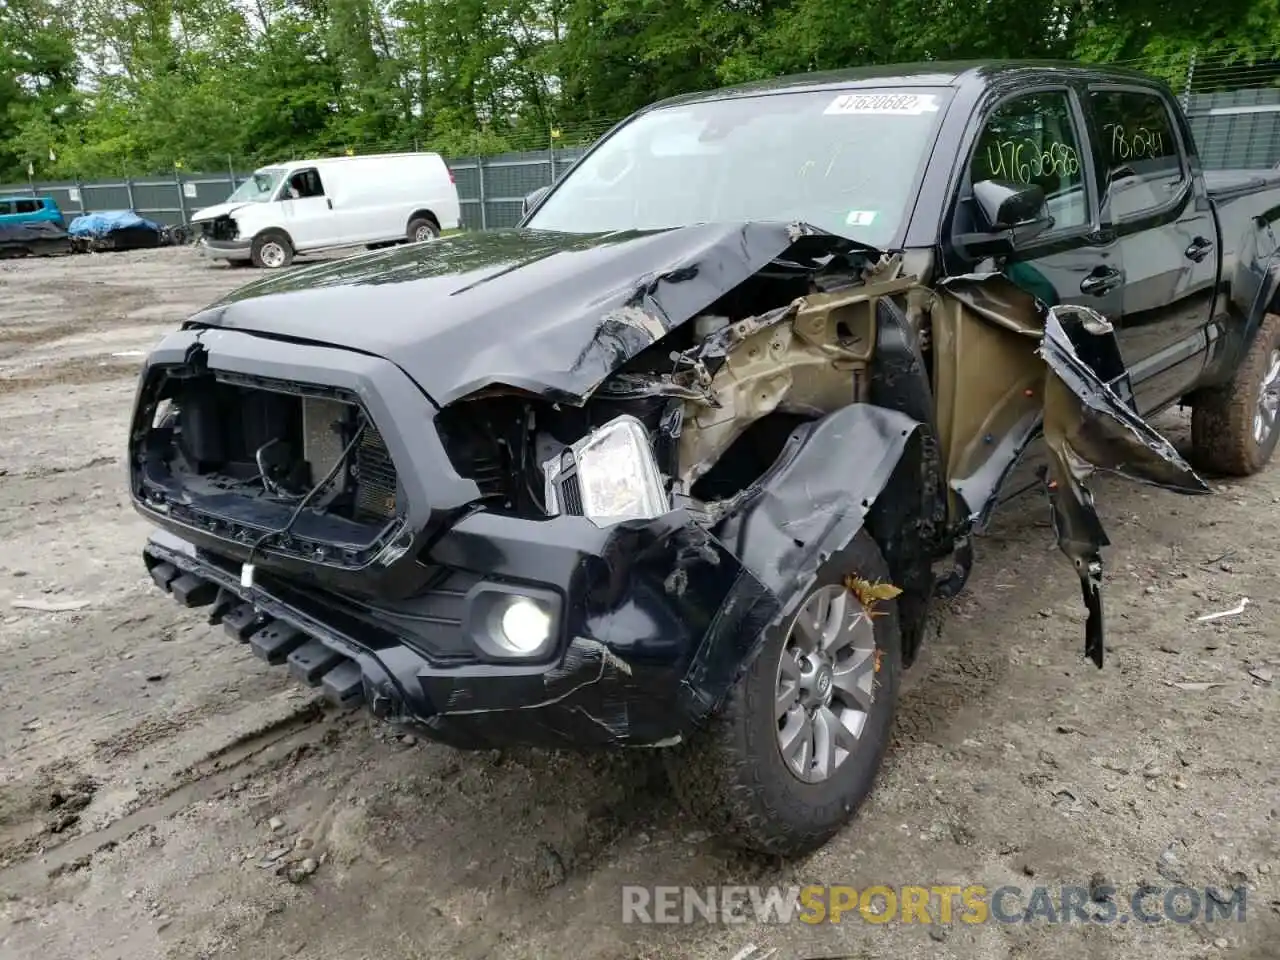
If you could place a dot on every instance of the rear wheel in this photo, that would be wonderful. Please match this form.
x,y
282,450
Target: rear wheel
x,y
271,249
1235,427
796,749
422,229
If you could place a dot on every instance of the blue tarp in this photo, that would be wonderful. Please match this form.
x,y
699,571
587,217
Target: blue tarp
x,y
109,221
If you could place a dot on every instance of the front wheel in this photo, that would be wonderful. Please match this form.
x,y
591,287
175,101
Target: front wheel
x,y
1235,428
271,249
421,229
797,746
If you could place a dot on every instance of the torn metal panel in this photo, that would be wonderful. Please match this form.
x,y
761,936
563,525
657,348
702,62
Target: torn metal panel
x,y
816,500
993,341
988,384
1088,416
1088,426
810,357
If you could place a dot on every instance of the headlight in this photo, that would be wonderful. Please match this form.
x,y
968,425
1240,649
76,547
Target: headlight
x,y
608,476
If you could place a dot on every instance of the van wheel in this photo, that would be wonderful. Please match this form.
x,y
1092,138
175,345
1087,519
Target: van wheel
x,y
796,748
421,229
1235,427
271,249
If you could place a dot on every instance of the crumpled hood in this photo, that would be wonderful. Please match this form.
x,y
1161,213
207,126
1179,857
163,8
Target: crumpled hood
x,y
217,210
550,313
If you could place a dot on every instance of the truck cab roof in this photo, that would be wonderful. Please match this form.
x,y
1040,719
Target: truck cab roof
x,y
949,73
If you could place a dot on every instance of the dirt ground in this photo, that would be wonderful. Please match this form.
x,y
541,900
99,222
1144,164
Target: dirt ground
x,y
162,791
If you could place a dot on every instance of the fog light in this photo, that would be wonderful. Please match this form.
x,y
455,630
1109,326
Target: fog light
x,y
525,626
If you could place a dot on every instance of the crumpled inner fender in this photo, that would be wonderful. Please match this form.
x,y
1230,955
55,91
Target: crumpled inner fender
x,y
815,500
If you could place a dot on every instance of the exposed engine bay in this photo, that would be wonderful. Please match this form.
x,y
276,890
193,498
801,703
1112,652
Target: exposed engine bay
x,y
719,398
220,228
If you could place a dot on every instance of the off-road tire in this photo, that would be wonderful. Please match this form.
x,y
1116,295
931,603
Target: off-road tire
x,y
422,223
731,776
263,241
1222,437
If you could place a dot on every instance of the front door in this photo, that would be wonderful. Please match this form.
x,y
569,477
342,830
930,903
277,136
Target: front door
x,y
1167,237
307,211
1038,138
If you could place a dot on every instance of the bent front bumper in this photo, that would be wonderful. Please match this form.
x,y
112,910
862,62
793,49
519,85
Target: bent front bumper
x,y
657,618
224,249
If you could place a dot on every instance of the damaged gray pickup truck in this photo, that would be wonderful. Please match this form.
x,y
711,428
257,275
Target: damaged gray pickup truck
x,y
682,461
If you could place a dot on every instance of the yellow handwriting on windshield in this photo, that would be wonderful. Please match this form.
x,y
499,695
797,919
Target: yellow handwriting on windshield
x,y
1025,161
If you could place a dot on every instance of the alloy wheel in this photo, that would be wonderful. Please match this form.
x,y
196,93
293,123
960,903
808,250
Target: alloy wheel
x,y
1264,418
825,683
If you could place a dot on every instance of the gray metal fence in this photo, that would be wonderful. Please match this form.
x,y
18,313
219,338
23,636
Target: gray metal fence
x,y
1239,128
490,189
1236,129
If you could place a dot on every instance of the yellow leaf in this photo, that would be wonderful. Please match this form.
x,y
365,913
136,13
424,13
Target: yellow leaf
x,y
869,594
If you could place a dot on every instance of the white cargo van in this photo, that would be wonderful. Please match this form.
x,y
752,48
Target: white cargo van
x,y
308,205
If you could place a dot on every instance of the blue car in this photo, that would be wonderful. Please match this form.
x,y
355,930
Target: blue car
x,y
25,210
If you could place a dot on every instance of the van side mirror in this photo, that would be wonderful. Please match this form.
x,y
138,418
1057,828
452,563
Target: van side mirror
x,y
531,200
1012,206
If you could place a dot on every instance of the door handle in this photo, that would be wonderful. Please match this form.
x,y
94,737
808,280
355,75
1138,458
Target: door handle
x,y
329,201
1199,249
1103,280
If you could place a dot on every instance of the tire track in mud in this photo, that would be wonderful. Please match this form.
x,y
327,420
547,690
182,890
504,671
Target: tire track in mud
x,y
67,373
21,336
252,754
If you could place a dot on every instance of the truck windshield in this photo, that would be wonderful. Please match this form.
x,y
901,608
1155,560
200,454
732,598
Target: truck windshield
x,y
259,188
846,162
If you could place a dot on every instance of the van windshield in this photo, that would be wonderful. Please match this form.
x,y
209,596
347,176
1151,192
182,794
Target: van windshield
x,y
259,188
844,161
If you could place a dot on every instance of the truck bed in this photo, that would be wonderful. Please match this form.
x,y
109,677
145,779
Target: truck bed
x,y
1228,184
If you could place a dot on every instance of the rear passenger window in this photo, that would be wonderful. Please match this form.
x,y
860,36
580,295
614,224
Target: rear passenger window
x,y
1032,140
1141,165
6,207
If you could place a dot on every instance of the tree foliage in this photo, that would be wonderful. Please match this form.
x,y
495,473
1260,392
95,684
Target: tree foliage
x,y
106,87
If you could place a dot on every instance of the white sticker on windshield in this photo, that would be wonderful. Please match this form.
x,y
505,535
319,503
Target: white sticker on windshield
x,y
860,218
899,104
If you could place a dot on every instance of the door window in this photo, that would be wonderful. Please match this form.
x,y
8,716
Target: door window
x,y
304,183
1142,166
6,207
1032,140
27,206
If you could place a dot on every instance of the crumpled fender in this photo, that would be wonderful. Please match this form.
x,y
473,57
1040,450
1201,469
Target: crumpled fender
x,y
1010,368
1088,427
816,498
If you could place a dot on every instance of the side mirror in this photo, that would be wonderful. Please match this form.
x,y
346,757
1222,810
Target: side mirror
x,y
531,200
1012,206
